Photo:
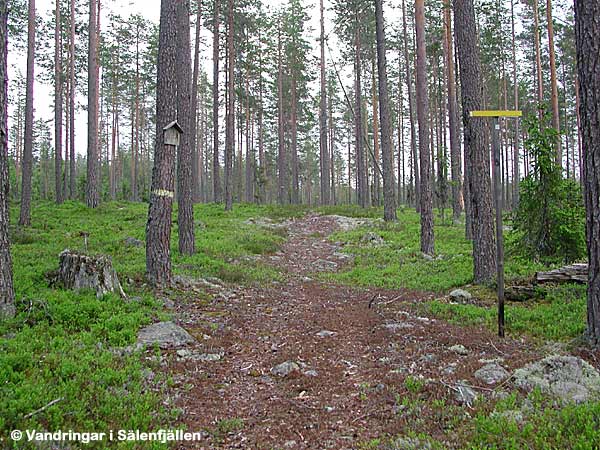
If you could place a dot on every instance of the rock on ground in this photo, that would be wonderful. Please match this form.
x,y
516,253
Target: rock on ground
x,y
460,295
165,334
349,223
569,378
284,369
371,238
459,349
492,373
464,394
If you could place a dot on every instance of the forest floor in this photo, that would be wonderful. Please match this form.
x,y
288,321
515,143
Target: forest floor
x,y
369,363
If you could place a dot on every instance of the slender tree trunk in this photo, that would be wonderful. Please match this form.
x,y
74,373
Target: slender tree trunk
x,y
25,214
230,132
484,252
413,135
553,81
136,114
72,161
93,181
250,158
7,294
196,149
362,194
294,133
217,191
455,150
516,157
58,105
324,153
185,200
427,237
587,38
282,195
158,229
538,54
376,150
262,177
389,201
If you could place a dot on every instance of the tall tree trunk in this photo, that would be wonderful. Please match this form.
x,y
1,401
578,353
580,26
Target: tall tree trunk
x,y
427,237
553,81
455,150
262,174
389,201
158,229
516,158
7,294
196,149
58,105
362,194
135,131
73,90
25,213
93,181
587,38
185,200
484,252
250,158
230,132
217,191
376,151
413,136
282,192
324,153
538,54
294,133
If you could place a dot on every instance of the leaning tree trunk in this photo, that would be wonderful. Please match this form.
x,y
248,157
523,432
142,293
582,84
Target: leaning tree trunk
x,y
389,201
185,201
484,252
587,38
7,294
158,228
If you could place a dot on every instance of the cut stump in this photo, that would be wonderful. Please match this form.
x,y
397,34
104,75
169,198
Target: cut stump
x,y
79,271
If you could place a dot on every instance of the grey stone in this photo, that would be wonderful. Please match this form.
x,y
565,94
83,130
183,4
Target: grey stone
x,y
132,242
394,327
349,223
371,238
512,415
325,333
449,369
460,295
492,373
285,368
427,257
290,444
464,394
167,303
408,443
165,334
311,373
208,357
329,409
569,378
459,349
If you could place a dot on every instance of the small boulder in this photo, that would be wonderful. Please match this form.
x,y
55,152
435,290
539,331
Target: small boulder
x,y
325,333
569,378
492,373
460,295
132,242
284,369
395,327
165,334
464,394
459,349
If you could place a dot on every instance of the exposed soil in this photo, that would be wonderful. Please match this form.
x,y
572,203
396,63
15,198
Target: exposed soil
x,y
359,387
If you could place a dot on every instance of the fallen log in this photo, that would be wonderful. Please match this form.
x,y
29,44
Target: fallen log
x,y
79,271
577,272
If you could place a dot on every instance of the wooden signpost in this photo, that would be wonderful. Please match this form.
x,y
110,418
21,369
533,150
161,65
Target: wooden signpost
x,y
495,115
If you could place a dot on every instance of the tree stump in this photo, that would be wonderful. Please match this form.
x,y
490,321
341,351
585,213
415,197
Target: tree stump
x,y
79,271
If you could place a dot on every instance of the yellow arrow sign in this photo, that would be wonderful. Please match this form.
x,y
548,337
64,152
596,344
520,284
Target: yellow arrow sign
x,y
496,113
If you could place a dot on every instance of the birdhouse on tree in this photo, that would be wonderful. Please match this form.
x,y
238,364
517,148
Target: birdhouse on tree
x,y
172,133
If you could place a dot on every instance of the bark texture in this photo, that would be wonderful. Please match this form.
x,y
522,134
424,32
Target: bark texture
x,y
426,198
185,201
158,228
7,294
217,191
25,213
78,271
484,252
389,200
324,153
587,38
92,193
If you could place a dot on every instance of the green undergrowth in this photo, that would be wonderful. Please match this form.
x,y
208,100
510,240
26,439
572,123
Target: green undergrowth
x,y
59,344
399,262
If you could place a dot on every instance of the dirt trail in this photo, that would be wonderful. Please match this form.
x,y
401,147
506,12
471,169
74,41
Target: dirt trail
x,y
350,384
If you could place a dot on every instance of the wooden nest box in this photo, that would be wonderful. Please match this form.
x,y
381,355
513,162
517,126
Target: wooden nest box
x,y
172,133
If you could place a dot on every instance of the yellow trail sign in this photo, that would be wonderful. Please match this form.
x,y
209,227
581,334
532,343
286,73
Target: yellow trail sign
x,y
496,113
